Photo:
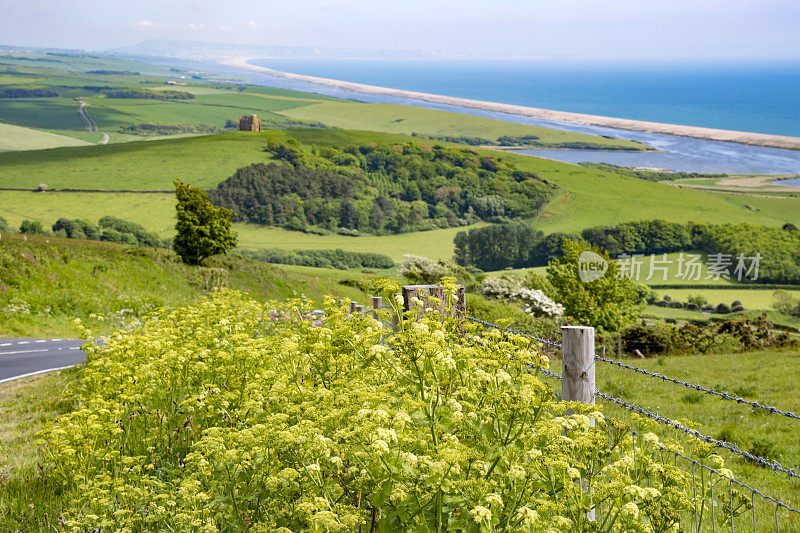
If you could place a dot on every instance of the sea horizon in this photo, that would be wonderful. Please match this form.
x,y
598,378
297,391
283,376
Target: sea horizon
x,y
752,97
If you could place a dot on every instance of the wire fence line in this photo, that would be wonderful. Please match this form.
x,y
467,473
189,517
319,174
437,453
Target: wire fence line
x,y
753,491
720,394
695,464
774,465
509,330
698,387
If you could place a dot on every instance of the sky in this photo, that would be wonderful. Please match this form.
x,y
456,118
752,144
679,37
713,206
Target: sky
x,y
581,29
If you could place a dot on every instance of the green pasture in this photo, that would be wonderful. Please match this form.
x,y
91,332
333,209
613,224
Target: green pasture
x,y
156,212
750,298
20,138
593,198
768,377
394,118
434,244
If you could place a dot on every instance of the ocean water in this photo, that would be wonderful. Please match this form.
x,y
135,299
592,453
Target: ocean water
x,y
756,97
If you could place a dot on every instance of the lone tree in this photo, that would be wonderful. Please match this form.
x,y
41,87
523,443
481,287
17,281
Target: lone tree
x,y
204,229
608,303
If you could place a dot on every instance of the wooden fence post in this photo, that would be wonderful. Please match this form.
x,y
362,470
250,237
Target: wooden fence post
x,y
424,293
360,309
377,303
577,364
577,372
352,308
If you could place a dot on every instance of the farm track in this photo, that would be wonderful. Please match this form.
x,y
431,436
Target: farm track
x,y
91,125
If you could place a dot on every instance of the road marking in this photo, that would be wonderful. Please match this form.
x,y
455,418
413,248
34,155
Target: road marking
x,y
24,351
29,374
23,342
75,348
7,344
40,341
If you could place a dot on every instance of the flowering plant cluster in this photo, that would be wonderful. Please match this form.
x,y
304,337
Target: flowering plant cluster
x,y
534,301
227,416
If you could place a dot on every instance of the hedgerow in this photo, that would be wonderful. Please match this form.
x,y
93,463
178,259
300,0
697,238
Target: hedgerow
x,y
233,415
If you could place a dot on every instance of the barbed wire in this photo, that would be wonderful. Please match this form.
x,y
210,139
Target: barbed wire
x,y
720,394
717,472
774,465
698,387
489,324
777,502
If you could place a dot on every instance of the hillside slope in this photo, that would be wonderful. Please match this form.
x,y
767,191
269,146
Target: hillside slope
x,y
44,281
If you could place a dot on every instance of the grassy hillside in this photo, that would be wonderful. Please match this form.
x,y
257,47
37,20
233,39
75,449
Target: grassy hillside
x,y
155,211
44,281
394,118
587,197
594,198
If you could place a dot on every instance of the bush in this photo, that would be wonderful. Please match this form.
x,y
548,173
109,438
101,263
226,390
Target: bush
x,y
722,309
426,272
112,235
322,428
338,258
32,227
649,340
4,227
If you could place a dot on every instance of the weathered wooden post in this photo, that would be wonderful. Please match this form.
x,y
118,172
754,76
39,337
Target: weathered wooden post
x,y
424,293
577,371
352,308
377,303
577,364
360,309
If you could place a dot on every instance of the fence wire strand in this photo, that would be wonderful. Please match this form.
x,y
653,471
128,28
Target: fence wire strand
x,y
720,394
774,465
698,387
509,330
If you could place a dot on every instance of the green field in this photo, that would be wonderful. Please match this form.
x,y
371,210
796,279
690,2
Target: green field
x,y
55,279
435,244
768,377
154,211
20,138
587,198
215,104
394,118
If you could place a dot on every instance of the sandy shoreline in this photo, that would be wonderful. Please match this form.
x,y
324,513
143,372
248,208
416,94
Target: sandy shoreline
x,y
742,137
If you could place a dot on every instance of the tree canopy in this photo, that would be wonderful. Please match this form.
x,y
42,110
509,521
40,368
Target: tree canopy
x,y
204,229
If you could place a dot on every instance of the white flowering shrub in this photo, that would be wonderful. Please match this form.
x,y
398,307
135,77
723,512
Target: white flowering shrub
x,y
231,415
534,302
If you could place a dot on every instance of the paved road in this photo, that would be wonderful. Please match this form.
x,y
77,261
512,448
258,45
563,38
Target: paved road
x,y
25,357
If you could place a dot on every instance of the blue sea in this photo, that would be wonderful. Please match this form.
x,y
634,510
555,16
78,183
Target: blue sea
x,y
756,97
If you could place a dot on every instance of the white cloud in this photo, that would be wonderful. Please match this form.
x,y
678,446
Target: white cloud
x,y
146,25
194,27
254,25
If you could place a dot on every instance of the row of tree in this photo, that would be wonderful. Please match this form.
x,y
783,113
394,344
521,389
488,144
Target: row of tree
x,y
379,189
519,245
